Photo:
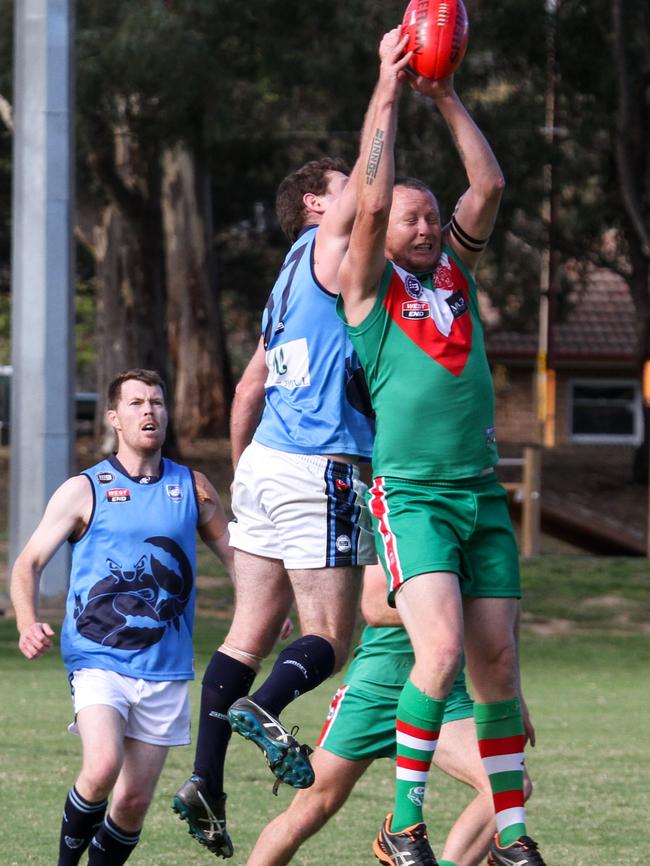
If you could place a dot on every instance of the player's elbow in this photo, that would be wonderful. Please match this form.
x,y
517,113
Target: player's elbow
x,y
496,186
373,210
249,396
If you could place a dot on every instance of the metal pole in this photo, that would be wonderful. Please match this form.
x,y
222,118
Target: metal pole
x,y
546,377
646,418
42,271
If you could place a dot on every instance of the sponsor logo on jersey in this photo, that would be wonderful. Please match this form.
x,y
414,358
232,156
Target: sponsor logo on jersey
x,y
105,477
446,333
457,304
343,544
118,494
174,492
490,436
288,365
413,287
415,310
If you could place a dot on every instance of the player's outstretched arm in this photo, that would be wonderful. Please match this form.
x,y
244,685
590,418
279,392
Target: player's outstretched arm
x,y
333,234
476,211
248,404
67,515
363,263
213,523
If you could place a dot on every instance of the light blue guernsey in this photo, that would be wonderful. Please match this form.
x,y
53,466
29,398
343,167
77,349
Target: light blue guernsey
x,y
316,400
130,605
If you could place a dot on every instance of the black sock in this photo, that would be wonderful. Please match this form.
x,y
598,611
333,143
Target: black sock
x,y
299,668
225,680
111,846
80,822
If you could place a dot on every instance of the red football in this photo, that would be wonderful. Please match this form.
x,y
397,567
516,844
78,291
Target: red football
x,y
437,31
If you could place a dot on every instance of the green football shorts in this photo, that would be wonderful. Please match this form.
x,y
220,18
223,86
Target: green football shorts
x,y
462,527
361,726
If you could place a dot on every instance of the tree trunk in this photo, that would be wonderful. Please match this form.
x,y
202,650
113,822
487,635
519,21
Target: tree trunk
x,y
203,385
130,332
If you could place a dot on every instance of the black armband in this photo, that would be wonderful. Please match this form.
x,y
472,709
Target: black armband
x,y
465,240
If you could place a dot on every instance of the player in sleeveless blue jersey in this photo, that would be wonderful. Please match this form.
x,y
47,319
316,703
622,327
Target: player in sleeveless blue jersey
x,y
300,426
126,640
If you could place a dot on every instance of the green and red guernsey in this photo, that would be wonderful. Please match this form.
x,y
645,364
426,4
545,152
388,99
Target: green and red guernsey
x,y
423,353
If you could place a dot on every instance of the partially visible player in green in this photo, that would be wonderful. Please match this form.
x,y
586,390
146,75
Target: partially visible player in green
x,y
360,727
442,526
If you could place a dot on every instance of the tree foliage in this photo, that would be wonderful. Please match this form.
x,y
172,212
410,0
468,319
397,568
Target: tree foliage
x,y
250,91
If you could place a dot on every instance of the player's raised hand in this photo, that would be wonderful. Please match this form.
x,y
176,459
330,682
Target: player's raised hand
x,y
393,60
431,88
35,640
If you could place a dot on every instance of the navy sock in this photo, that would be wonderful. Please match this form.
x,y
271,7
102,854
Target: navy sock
x,y
111,846
80,822
225,680
299,668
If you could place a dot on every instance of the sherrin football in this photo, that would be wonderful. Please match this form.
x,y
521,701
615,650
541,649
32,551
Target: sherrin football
x,y
437,31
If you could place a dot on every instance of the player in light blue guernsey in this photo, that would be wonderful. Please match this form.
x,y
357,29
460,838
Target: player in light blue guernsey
x,y
126,639
130,605
300,426
314,387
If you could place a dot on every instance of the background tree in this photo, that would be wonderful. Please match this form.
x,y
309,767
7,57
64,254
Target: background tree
x,y
190,113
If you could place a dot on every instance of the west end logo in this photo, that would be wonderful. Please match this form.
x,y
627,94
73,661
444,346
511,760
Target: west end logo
x,y
413,287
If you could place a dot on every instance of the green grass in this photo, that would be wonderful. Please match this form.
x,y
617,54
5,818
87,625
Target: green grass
x,y
587,688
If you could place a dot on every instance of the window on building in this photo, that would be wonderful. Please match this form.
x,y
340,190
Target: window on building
x,y
606,411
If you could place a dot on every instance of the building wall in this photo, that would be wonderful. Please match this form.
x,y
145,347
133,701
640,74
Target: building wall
x,y
516,409
515,405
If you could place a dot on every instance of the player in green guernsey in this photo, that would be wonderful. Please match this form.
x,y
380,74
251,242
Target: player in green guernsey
x,y
360,728
442,526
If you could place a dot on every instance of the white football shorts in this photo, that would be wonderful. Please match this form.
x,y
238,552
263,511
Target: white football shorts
x,y
306,510
154,712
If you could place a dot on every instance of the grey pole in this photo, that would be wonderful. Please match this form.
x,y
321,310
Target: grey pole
x,y
42,271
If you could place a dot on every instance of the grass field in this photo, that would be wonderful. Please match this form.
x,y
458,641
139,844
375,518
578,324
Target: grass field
x,y
586,661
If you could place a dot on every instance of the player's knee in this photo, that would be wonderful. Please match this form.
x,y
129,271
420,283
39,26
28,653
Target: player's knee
x,y
306,815
499,664
96,779
436,668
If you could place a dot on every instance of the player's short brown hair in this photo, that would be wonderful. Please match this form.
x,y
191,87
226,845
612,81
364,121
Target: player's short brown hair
x,y
312,177
149,377
412,183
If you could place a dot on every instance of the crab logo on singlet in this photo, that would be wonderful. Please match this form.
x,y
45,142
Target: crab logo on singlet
x,y
131,609
413,286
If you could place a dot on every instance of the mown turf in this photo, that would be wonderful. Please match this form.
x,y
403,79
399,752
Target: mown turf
x,y
585,659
